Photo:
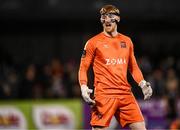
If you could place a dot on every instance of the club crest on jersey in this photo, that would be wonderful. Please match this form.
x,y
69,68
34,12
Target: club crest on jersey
x,y
123,44
83,54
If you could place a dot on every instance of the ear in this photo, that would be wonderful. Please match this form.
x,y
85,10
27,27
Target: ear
x,y
118,18
102,20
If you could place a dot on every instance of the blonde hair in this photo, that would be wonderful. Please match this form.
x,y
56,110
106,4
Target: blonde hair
x,y
109,9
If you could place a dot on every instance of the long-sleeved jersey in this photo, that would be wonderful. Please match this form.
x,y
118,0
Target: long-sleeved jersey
x,y
110,57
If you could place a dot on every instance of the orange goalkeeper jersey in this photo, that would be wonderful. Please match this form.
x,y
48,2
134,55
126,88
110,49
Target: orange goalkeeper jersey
x,y
110,57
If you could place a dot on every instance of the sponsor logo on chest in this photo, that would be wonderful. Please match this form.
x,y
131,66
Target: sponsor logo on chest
x,y
115,61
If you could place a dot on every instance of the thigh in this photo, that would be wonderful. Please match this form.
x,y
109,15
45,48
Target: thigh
x,y
103,111
128,111
137,126
98,128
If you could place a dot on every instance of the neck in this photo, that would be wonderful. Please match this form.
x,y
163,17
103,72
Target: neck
x,y
111,34
114,33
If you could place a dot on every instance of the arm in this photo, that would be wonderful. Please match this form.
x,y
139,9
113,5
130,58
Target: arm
x,y
133,66
137,74
86,60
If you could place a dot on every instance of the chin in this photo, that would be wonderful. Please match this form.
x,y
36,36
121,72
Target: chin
x,y
109,31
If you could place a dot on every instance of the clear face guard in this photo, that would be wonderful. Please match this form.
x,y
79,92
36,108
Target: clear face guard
x,y
112,17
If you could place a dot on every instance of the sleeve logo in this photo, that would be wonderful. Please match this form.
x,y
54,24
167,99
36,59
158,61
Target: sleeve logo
x,y
83,54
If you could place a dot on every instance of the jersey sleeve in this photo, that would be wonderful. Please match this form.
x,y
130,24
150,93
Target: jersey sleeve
x,y
133,66
86,60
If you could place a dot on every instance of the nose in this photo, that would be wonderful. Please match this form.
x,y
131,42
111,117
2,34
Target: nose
x,y
107,19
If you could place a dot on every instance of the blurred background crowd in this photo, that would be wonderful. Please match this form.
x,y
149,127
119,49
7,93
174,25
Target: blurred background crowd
x,y
55,79
41,42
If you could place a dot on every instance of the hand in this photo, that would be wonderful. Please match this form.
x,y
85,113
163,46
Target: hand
x,y
85,92
146,89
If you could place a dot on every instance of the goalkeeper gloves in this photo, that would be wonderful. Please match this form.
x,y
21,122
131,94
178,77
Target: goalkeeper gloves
x,y
146,89
85,92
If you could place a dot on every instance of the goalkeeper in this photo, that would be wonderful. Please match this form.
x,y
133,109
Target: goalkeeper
x,y
111,55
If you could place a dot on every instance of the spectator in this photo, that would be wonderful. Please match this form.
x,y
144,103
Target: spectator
x,y
172,83
9,83
158,83
28,82
57,87
71,80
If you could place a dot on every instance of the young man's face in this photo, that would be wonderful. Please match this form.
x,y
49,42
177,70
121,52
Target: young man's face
x,y
109,22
